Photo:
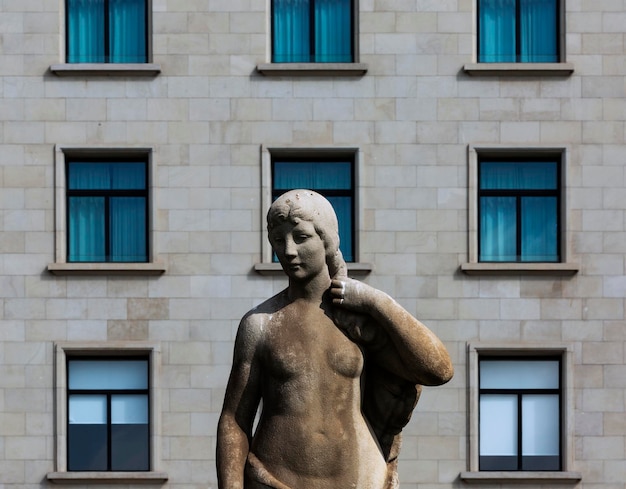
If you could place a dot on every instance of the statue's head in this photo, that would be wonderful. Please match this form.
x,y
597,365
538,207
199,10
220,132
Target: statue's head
x,y
310,206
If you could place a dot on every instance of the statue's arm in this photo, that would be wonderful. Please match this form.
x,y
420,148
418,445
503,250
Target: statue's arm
x,y
410,349
234,430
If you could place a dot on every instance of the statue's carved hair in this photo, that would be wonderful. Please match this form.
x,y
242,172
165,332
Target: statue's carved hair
x,y
313,207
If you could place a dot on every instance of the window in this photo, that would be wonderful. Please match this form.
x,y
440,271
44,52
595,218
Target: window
x,y
312,31
331,176
518,31
107,31
519,209
107,209
108,423
108,414
519,414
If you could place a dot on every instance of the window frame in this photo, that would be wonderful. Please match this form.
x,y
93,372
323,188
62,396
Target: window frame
x,y
566,265
108,195
107,21
476,351
518,195
106,350
61,266
518,22
108,393
519,394
312,38
315,153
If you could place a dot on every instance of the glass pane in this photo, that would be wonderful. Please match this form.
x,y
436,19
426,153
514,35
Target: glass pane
x,y
87,447
128,229
130,447
86,241
85,31
343,209
87,409
290,31
498,231
129,409
127,31
498,424
128,176
519,374
518,175
538,31
312,175
540,425
88,176
108,374
539,229
333,31
496,36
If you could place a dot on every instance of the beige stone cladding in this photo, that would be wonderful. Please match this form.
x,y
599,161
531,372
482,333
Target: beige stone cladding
x,y
415,106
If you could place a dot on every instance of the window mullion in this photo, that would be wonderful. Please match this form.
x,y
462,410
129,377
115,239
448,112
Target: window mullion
x,y
312,22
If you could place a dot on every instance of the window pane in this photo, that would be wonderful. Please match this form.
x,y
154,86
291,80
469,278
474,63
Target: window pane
x,y
539,229
498,424
333,31
85,31
128,229
87,409
108,374
86,229
291,39
517,175
89,176
538,31
519,374
128,175
498,231
87,447
540,425
496,31
129,409
312,175
343,209
127,31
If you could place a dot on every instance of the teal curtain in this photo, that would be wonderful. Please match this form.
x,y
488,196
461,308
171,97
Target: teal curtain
x,y
127,31
518,31
538,25
518,212
85,31
496,35
91,22
331,179
318,31
95,190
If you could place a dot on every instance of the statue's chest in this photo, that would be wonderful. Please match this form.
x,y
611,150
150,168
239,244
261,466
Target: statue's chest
x,y
305,342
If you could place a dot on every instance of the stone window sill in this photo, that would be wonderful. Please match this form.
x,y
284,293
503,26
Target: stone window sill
x,y
519,69
312,69
107,268
107,477
520,268
276,269
566,477
106,69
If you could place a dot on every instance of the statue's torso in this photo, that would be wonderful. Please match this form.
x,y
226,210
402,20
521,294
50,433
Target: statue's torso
x,y
312,433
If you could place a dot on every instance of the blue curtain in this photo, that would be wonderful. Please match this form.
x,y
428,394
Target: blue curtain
x,y
321,176
87,20
291,31
496,33
85,31
127,31
499,24
538,214
332,31
538,26
126,225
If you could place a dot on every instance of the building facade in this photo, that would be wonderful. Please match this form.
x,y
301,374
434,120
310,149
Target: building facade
x,y
474,151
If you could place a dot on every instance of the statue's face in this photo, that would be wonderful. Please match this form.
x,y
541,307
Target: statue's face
x,y
300,250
